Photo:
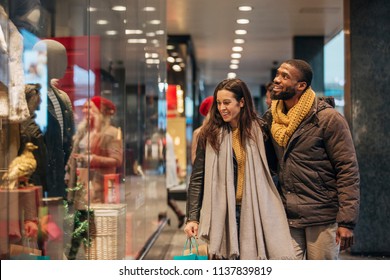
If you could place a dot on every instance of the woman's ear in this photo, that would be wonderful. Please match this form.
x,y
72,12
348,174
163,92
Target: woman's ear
x,y
242,102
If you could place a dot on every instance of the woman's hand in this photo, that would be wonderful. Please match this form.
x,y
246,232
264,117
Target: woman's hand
x,y
31,229
191,229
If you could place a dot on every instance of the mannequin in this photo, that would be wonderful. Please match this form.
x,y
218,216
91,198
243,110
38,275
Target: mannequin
x,y
30,132
60,122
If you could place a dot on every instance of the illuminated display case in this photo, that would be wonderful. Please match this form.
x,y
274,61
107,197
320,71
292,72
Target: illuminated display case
x,y
85,82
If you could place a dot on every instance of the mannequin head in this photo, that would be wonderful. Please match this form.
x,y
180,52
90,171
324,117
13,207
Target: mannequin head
x,y
57,61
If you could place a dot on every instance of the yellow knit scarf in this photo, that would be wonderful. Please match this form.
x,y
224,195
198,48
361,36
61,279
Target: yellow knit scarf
x,y
283,126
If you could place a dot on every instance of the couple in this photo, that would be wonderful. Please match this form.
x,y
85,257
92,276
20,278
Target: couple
x,y
232,201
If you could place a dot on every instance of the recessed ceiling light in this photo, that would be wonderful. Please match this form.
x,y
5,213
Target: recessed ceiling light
x,y
170,59
243,21
102,21
152,61
137,41
233,66
111,32
133,31
234,61
170,47
236,55
151,55
119,8
239,41
240,32
155,21
237,49
231,75
149,9
245,8
176,68
91,9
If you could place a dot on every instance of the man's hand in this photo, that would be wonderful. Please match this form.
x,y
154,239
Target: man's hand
x,y
344,237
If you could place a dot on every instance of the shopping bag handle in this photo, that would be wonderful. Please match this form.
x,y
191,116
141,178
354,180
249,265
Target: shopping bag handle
x,y
193,242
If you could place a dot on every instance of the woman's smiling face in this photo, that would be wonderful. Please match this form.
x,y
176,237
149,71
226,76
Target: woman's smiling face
x,y
229,107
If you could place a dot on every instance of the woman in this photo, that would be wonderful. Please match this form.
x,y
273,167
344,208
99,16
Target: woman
x,y
232,202
97,151
97,145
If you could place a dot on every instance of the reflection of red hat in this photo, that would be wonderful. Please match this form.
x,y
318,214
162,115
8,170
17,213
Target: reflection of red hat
x,y
105,106
205,106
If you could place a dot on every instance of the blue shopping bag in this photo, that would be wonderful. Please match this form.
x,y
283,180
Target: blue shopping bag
x,y
192,254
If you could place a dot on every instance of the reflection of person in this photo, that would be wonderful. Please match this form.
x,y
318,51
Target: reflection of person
x,y
268,94
318,169
204,109
97,151
232,202
60,120
30,132
172,179
97,145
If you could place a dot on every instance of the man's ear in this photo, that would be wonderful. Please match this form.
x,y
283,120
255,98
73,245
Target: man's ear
x,y
302,86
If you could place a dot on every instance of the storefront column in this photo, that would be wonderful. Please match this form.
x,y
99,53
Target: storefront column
x,y
368,113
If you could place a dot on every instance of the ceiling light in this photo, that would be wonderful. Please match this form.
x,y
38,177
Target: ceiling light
x,y
102,21
119,8
111,32
151,55
239,41
245,8
137,41
243,21
149,9
155,22
237,49
179,59
170,59
236,55
240,32
160,32
150,34
233,66
234,61
170,47
176,68
231,75
152,61
133,31
91,9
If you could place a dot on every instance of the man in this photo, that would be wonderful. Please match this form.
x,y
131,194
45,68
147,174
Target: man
x,y
318,170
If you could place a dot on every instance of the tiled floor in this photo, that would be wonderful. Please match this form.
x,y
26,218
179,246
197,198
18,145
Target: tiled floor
x,y
171,242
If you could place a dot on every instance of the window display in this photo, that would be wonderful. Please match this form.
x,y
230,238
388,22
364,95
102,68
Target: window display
x,y
81,92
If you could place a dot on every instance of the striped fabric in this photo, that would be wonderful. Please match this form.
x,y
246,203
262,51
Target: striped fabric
x,y
57,110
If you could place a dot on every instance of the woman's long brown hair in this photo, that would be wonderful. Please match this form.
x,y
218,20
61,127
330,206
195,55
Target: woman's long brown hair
x,y
211,130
